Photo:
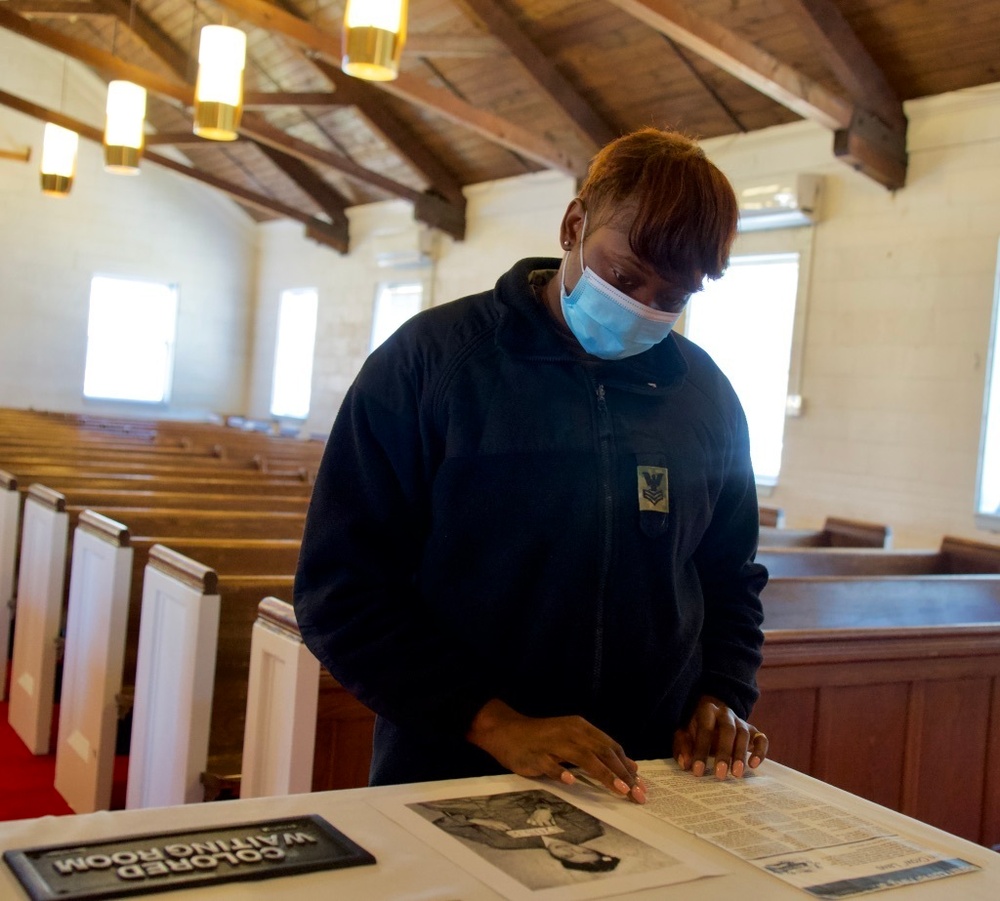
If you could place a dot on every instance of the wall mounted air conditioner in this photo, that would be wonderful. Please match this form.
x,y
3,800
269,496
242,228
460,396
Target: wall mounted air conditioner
x,y
786,202
415,248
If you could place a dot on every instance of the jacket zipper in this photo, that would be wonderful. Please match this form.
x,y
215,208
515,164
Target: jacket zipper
x,y
604,436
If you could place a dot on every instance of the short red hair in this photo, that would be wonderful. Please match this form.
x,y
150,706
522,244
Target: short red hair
x,y
686,212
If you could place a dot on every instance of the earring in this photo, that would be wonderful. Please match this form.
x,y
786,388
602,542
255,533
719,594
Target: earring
x,y
567,243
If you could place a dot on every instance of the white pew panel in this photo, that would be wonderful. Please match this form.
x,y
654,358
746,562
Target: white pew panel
x,y
96,624
40,582
175,677
10,516
280,735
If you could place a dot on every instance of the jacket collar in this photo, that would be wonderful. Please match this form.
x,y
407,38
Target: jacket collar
x,y
526,330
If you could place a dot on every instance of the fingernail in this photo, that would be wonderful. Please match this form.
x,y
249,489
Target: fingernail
x,y
682,762
721,770
698,768
567,777
754,762
639,793
621,787
738,768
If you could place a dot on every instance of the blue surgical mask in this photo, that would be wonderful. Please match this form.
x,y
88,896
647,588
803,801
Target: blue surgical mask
x,y
607,322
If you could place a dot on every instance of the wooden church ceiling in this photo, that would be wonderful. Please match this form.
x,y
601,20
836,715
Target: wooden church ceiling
x,y
495,88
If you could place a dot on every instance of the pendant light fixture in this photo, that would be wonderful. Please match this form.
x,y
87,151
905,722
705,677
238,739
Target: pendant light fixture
x,y
59,146
123,131
218,94
374,34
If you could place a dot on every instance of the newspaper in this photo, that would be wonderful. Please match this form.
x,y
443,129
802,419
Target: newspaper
x,y
810,843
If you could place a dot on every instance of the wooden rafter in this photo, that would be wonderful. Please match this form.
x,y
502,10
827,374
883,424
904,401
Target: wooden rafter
x,y
287,21
317,229
429,209
268,99
102,61
592,128
370,103
492,128
331,201
182,139
53,9
848,59
252,126
155,38
860,140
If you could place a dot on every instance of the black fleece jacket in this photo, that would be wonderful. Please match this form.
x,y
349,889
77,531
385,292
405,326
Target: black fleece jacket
x,y
499,515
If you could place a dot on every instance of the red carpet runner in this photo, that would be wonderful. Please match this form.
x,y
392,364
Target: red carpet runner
x,y
26,788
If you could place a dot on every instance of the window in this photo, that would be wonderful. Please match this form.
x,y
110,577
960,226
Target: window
x,y
291,389
130,340
746,320
394,304
988,501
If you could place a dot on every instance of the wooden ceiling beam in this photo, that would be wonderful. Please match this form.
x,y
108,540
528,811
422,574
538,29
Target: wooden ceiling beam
x,y
104,62
885,149
406,144
433,211
591,127
848,59
155,38
268,99
427,208
318,229
370,102
330,200
743,60
487,125
308,180
457,46
184,94
181,139
415,90
54,9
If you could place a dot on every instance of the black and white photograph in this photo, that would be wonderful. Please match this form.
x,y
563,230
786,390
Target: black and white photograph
x,y
537,843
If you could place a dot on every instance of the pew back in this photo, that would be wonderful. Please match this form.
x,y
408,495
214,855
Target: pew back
x,y
836,532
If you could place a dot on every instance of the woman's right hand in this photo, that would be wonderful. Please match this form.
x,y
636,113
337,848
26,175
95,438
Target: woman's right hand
x,y
545,746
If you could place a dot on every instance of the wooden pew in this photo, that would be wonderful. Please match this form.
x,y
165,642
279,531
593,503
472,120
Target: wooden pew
x,y
889,687
304,731
42,577
10,523
956,555
96,622
99,665
773,517
836,532
192,676
254,483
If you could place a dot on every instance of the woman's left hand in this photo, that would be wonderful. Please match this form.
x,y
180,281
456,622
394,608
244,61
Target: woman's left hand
x,y
715,731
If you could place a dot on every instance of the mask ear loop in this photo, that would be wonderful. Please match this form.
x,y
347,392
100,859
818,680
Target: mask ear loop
x,y
562,269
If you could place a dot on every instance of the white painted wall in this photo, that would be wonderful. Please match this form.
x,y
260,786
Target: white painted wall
x,y
895,330
157,226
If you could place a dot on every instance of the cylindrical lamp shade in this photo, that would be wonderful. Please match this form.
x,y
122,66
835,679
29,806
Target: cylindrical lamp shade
x,y
123,132
59,146
218,94
374,34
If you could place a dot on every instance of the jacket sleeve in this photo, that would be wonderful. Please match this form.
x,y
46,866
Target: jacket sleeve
x,y
732,640
356,600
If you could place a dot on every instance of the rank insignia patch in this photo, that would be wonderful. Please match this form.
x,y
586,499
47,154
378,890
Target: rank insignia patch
x,y
653,488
